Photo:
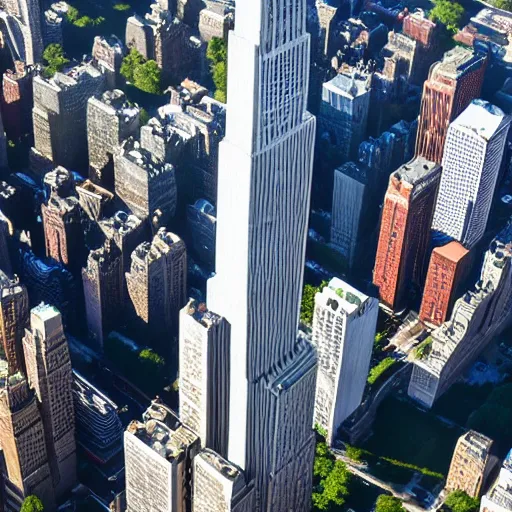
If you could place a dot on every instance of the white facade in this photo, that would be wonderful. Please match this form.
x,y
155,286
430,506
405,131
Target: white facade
x,y
499,496
265,171
471,163
204,375
218,485
344,325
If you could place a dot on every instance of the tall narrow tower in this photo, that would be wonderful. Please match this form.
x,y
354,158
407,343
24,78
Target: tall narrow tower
x,y
265,169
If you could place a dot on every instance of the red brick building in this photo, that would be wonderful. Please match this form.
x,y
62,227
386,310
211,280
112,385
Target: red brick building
x,y
452,84
448,267
405,230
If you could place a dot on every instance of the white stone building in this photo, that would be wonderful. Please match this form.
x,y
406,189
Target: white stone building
x,y
204,375
478,316
158,453
265,172
499,496
471,164
219,486
344,325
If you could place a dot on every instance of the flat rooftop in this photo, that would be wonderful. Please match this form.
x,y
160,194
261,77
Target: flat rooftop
x,y
453,251
481,117
457,62
351,85
416,170
350,298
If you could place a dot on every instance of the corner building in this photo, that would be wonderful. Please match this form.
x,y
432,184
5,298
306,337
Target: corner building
x,y
265,170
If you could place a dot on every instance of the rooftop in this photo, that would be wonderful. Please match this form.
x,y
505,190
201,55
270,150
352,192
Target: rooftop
x,y
354,171
200,313
457,62
416,170
162,432
481,117
122,223
228,470
351,85
453,251
348,297
5,378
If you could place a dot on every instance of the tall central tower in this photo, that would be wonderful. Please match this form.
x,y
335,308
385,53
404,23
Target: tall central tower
x,y
265,170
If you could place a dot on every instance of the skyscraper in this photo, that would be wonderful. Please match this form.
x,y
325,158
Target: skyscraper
x,y
471,164
448,267
157,285
13,320
451,85
265,171
204,375
405,229
22,438
344,326
50,375
158,458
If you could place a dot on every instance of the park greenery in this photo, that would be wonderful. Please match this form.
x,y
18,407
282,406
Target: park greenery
x,y
331,480
54,58
494,417
389,469
506,5
307,307
459,501
387,503
143,74
381,371
217,54
423,349
447,13
144,367
32,504
121,7
75,18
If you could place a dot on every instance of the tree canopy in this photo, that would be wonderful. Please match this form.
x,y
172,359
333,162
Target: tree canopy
x,y
331,479
448,13
459,501
143,74
217,54
32,504
307,307
147,77
389,504
55,59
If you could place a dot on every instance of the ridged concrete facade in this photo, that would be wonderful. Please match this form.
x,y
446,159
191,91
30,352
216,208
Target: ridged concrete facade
x,y
265,171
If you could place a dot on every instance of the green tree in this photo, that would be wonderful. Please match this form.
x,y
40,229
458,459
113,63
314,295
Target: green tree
x,y
130,63
459,501
122,7
217,54
143,117
220,79
147,77
307,306
217,51
334,489
32,504
55,59
324,461
151,370
503,4
73,14
447,13
379,372
389,504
